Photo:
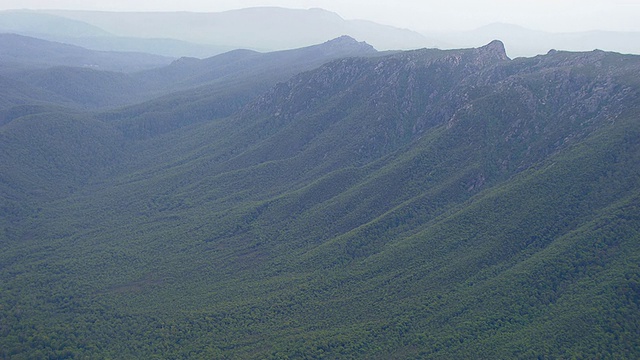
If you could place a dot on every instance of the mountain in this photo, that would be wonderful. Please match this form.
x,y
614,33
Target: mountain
x,y
218,84
417,204
202,35
61,29
260,28
28,52
44,72
157,46
520,41
33,23
187,72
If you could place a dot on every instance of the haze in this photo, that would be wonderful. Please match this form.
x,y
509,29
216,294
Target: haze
x,y
547,15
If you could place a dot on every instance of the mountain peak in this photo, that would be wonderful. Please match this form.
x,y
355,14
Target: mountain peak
x,y
347,42
343,39
495,49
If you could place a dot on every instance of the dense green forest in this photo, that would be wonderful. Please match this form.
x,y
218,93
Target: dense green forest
x,y
325,202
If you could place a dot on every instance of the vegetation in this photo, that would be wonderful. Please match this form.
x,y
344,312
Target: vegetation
x,y
424,204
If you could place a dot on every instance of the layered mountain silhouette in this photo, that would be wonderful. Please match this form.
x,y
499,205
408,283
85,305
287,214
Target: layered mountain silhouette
x,y
25,52
204,34
89,79
328,202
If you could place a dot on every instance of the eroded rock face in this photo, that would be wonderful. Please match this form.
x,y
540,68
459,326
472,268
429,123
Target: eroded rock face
x,y
396,99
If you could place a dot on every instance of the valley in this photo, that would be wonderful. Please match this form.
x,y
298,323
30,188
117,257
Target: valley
x,y
330,201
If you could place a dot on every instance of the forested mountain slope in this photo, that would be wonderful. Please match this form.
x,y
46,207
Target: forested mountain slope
x,y
96,80
192,90
28,52
421,204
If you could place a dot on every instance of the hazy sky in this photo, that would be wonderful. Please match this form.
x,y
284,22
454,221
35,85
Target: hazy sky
x,y
551,15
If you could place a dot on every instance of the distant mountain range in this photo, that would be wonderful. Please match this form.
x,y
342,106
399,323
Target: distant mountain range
x,y
203,35
99,79
29,52
520,41
62,29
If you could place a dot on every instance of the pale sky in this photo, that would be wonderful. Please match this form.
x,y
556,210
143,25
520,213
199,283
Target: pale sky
x,y
549,15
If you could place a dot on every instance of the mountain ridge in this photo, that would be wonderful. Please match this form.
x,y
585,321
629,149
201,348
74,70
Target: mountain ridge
x,y
520,41
218,86
524,42
251,28
421,204
34,52
37,63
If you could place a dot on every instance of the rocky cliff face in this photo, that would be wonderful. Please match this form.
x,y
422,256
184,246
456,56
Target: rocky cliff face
x,y
392,100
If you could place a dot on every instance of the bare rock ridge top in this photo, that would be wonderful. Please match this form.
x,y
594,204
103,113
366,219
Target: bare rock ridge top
x,y
495,48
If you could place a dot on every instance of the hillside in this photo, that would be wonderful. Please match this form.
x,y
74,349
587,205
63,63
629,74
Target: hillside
x,y
213,87
15,93
24,51
419,204
45,72
218,86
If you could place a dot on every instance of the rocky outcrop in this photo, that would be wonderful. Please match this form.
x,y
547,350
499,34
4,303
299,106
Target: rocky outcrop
x,y
396,99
